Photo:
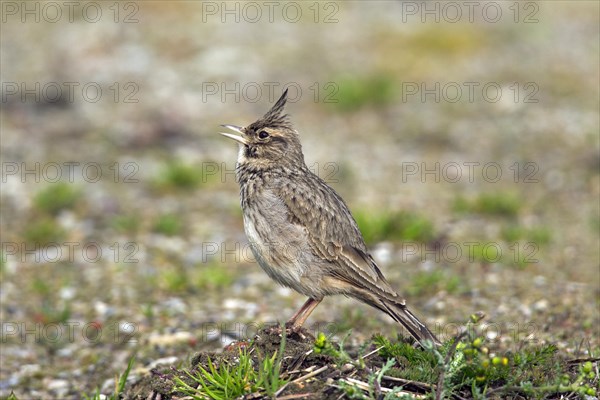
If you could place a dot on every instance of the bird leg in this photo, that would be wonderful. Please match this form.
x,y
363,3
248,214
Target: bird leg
x,y
302,314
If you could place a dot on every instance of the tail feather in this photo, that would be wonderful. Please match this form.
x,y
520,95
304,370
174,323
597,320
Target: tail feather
x,y
413,325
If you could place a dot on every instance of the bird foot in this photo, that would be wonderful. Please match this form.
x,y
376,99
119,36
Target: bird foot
x,y
292,332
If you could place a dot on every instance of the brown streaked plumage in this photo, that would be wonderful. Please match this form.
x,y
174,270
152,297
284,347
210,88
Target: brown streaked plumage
x,y
300,230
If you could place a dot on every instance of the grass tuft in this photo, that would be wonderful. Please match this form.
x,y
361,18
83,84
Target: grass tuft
x,y
179,176
395,226
502,204
357,92
432,282
126,223
234,379
120,382
168,225
539,235
213,276
44,231
56,197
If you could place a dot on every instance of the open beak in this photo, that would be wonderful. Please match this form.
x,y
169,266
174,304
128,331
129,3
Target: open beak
x,y
237,129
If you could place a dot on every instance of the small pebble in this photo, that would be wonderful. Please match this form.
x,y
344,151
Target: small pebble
x,y
383,253
29,369
541,305
103,310
67,292
175,305
169,339
492,278
347,367
539,281
525,310
164,360
58,386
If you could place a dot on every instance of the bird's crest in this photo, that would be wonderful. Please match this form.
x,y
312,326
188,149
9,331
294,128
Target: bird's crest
x,y
274,118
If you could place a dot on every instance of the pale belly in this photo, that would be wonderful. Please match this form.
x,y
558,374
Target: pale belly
x,y
281,248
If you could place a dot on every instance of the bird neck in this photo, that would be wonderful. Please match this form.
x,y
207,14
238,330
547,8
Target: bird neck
x,y
248,171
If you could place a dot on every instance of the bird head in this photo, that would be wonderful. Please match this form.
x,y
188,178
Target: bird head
x,y
270,140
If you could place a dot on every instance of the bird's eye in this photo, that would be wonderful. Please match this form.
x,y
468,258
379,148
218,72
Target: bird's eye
x,y
263,134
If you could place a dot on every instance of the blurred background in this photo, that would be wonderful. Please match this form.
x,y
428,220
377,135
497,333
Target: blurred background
x,y
464,136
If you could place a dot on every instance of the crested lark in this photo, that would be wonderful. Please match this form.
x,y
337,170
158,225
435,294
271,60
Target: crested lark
x,y
300,230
